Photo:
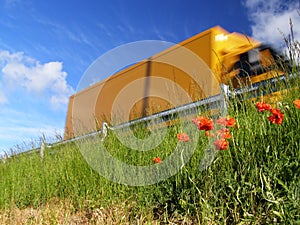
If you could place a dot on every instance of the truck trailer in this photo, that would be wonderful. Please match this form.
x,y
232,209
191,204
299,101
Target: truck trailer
x,y
171,80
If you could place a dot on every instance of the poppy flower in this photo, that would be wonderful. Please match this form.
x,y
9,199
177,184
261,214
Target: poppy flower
x,y
226,121
221,144
277,116
157,160
203,123
224,133
183,137
261,106
297,103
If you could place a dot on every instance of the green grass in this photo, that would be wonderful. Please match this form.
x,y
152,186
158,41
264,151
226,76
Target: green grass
x,y
255,181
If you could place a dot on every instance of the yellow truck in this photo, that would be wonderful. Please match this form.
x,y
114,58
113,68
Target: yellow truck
x,y
150,88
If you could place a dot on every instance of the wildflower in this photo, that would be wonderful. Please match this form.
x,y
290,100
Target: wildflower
x,y
224,133
277,116
183,137
203,123
157,160
207,133
297,103
221,144
226,121
261,106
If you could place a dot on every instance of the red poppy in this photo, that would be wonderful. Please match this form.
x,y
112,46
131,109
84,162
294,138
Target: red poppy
x,y
277,116
157,160
261,106
224,133
221,144
297,103
203,123
226,121
183,137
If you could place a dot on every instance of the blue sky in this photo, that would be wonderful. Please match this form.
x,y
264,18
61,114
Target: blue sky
x,y
46,46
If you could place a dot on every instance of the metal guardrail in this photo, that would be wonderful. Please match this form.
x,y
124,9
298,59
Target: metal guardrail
x,y
164,116
167,115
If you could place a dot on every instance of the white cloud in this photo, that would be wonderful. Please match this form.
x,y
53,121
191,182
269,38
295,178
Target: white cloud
x,y
7,57
33,96
22,73
270,18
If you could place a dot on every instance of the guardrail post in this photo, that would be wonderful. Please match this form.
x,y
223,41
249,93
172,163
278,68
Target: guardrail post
x,y
225,94
42,149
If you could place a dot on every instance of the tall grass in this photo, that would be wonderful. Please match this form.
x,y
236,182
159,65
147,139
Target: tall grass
x,y
255,181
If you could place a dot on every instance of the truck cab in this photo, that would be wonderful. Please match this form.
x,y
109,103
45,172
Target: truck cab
x,y
260,71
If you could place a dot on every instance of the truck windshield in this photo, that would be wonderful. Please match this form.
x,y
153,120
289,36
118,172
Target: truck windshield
x,y
257,61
